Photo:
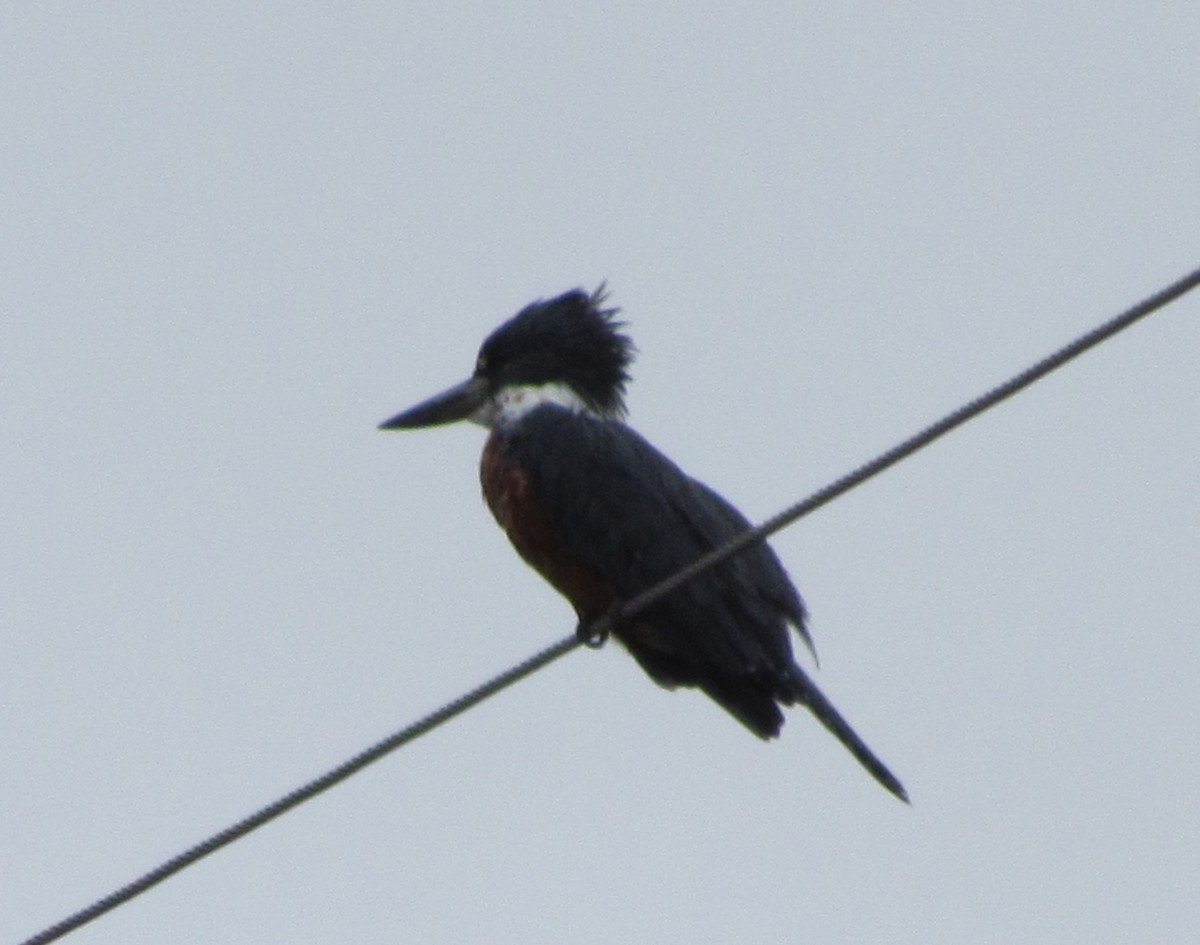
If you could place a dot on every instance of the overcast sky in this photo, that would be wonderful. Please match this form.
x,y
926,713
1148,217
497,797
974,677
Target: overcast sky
x,y
235,237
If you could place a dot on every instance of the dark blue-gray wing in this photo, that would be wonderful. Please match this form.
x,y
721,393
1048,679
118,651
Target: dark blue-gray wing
x,y
624,510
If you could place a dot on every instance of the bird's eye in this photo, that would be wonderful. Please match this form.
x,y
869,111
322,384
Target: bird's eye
x,y
481,364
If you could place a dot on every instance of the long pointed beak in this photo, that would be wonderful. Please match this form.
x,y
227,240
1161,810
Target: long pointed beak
x,y
457,403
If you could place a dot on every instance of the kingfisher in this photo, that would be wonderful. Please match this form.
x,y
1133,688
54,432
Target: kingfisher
x,y
603,515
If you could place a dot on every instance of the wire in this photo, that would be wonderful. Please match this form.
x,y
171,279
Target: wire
x,y
1018,382
631,608
304,793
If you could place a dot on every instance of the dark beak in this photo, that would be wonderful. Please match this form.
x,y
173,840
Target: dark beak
x,y
457,403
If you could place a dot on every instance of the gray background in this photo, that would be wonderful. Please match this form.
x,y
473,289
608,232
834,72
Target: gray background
x,y
236,237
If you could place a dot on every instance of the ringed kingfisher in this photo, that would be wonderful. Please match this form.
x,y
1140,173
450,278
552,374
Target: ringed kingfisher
x,y
602,515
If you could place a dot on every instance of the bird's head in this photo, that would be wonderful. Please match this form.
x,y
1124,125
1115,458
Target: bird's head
x,y
568,350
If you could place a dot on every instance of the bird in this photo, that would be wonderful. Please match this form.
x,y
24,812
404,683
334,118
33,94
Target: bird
x,y
602,515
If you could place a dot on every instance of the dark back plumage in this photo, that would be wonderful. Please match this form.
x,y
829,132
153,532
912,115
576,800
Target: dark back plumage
x,y
620,507
621,511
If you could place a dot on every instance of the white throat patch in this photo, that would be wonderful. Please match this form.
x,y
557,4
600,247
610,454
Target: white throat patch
x,y
512,403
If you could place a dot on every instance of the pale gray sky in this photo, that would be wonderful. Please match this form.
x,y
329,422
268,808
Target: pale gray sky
x,y
235,238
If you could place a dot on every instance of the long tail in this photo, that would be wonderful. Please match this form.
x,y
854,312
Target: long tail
x,y
806,691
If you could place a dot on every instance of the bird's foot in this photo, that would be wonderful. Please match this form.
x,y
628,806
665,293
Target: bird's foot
x,y
595,633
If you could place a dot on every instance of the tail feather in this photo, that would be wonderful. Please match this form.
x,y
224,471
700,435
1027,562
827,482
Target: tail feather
x,y
806,692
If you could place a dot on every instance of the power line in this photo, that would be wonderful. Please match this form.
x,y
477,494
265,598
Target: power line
x,y
304,793
917,441
631,608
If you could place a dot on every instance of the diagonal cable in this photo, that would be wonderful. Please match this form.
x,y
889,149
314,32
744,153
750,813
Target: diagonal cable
x,y
1018,382
625,611
303,793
